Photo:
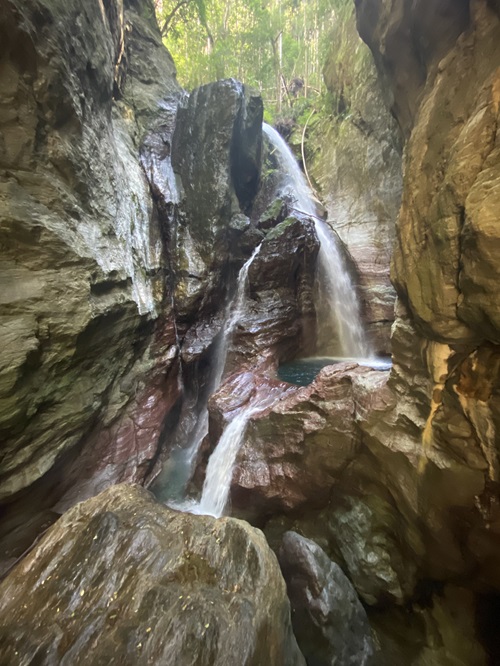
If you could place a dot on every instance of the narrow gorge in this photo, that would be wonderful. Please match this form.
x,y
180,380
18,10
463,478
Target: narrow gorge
x,y
250,378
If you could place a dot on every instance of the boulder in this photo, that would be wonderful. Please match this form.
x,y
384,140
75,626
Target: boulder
x,y
123,579
294,452
328,619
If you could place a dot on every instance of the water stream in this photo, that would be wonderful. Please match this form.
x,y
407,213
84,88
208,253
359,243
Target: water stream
x,y
220,466
182,460
336,300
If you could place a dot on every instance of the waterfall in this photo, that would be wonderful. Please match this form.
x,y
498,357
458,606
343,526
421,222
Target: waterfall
x,y
336,302
232,314
338,312
220,466
183,460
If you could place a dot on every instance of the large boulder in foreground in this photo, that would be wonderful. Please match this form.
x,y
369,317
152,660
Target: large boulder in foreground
x,y
121,579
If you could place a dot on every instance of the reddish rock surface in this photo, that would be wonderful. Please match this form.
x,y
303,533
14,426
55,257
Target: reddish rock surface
x,y
295,450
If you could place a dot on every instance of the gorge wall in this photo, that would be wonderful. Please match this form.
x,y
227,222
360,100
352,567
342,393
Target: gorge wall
x,y
83,267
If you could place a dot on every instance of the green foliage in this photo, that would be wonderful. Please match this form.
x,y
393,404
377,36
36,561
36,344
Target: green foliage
x,y
276,46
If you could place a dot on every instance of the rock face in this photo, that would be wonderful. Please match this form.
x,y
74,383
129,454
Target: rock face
x,y
122,579
294,451
355,159
445,258
407,42
216,152
279,320
328,619
83,265
445,339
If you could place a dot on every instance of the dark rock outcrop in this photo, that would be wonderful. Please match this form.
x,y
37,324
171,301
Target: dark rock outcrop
x,y
328,619
279,320
122,579
216,153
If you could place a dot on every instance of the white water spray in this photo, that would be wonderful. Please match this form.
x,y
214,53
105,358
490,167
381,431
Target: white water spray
x,y
337,303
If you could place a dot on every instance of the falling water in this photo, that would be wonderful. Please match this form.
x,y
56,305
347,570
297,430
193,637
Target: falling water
x,y
181,465
336,294
221,463
337,299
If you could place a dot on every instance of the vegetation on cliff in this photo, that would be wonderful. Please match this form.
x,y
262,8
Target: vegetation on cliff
x,y
276,46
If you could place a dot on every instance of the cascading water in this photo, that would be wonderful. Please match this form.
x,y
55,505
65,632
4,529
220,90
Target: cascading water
x,y
336,301
338,307
181,466
232,315
220,465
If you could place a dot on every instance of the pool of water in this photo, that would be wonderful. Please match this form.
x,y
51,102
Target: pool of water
x,y
303,371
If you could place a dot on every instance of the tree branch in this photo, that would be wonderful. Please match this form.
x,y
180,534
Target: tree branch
x,y
168,19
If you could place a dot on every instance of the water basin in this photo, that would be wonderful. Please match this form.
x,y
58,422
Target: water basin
x,y
303,371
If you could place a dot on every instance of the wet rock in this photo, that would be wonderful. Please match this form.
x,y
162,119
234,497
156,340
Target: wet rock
x,y
274,214
123,579
328,619
237,392
83,269
293,453
216,153
367,532
279,316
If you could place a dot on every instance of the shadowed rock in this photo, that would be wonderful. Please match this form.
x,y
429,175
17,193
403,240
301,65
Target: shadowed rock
x,y
328,619
82,274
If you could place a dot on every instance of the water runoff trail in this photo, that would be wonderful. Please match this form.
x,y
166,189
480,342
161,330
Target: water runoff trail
x,y
186,457
338,310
